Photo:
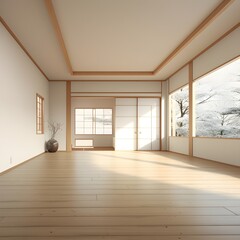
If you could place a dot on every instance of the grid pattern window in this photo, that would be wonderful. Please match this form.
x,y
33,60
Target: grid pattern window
x,y
217,102
93,121
39,114
179,102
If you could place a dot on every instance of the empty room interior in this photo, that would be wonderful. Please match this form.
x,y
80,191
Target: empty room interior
x,y
120,119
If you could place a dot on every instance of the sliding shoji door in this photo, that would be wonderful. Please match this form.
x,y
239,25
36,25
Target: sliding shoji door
x,y
148,124
126,124
137,124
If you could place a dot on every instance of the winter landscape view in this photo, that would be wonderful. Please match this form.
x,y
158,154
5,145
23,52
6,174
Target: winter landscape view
x,y
216,105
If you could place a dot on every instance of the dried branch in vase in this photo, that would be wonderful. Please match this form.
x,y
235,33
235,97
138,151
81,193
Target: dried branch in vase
x,y
54,128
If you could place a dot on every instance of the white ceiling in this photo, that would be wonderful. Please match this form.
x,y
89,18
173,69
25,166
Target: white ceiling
x,y
115,35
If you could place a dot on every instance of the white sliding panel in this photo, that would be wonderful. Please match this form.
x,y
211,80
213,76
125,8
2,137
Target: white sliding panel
x,y
125,124
148,124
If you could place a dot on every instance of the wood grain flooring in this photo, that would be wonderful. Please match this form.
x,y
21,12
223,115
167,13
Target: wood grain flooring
x,y
120,195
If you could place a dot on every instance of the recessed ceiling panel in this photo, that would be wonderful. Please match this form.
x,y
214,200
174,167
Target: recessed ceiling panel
x,y
126,35
115,35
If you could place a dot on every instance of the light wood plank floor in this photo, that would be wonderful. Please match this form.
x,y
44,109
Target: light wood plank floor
x,y
111,195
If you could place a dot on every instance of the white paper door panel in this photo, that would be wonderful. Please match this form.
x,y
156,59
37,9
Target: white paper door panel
x,y
126,122
126,111
125,144
144,118
144,144
125,133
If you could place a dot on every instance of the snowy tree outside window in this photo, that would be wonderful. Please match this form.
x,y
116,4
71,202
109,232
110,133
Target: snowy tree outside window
x,y
217,102
180,112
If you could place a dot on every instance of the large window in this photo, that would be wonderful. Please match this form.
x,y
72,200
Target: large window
x,y
179,112
93,121
217,102
39,114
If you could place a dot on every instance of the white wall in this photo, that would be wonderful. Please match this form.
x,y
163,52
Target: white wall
x,y
20,81
217,55
57,110
117,89
179,79
179,145
221,150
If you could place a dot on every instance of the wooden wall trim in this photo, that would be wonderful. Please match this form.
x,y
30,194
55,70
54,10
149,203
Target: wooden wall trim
x,y
178,137
112,73
160,116
116,92
217,11
21,46
110,80
57,29
116,96
190,109
68,117
137,123
217,138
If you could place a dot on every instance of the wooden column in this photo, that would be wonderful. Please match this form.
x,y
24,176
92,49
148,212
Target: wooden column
x,y
68,117
190,77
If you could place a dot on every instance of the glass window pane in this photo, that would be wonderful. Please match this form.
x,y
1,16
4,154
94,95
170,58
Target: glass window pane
x,y
78,118
180,112
88,131
99,124
79,131
107,130
107,124
39,115
99,112
108,112
217,102
99,119
79,111
92,121
99,130
88,112
88,124
79,124
88,118
107,118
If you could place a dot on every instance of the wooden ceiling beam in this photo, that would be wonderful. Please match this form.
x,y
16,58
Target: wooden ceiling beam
x,y
57,29
112,73
216,12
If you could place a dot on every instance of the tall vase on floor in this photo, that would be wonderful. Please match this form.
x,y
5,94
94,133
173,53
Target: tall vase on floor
x,y
52,143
